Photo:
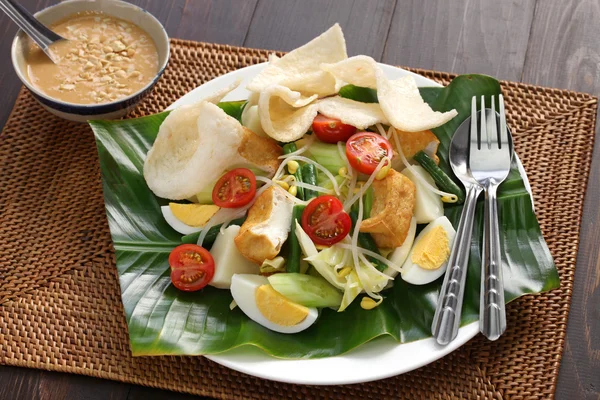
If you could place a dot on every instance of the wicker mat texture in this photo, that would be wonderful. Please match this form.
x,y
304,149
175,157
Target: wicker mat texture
x,y
60,304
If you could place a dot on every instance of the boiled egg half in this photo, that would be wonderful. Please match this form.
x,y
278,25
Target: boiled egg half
x,y
428,257
261,303
188,218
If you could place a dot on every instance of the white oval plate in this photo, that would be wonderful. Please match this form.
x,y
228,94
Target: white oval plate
x,y
378,359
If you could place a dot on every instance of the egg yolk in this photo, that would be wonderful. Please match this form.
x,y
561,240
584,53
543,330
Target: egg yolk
x,y
193,214
432,250
278,309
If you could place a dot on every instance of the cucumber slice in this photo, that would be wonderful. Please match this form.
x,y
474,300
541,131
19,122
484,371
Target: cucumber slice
x,y
306,290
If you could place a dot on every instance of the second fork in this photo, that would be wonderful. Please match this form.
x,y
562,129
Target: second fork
x,y
489,162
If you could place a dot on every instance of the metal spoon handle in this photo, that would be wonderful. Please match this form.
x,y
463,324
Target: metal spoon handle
x,y
43,36
449,308
492,314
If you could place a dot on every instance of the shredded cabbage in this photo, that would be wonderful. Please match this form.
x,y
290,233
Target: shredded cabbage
x,y
271,266
371,280
363,277
333,255
351,290
374,255
321,265
373,273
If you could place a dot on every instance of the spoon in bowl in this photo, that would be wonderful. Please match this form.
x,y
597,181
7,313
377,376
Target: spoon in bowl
x,y
37,31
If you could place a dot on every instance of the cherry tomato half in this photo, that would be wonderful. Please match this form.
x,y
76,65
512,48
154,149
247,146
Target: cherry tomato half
x,y
325,221
365,150
235,189
331,130
192,267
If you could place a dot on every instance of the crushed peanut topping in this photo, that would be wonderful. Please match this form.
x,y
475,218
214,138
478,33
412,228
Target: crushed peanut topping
x,y
103,60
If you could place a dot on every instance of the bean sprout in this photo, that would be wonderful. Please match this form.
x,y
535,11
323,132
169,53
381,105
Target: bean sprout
x,y
366,186
370,265
374,255
313,187
336,187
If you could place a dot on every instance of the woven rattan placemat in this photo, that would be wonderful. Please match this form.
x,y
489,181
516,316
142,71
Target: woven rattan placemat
x,y
60,304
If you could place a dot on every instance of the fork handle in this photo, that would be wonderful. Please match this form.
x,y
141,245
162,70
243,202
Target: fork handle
x,y
492,314
449,308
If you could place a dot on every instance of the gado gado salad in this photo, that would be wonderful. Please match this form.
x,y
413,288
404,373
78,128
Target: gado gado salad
x,y
306,199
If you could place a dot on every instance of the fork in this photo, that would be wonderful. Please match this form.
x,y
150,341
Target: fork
x,y
490,153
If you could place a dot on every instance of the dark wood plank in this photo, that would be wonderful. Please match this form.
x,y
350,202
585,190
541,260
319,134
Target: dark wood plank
x,y
145,393
18,383
287,24
482,36
218,21
564,52
27,384
168,12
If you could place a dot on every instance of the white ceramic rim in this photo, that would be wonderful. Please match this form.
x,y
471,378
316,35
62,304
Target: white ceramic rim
x,y
379,359
63,4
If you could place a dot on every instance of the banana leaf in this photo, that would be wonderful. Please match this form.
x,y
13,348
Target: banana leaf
x,y
233,108
163,320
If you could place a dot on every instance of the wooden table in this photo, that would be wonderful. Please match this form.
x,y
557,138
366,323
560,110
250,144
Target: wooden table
x,y
545,42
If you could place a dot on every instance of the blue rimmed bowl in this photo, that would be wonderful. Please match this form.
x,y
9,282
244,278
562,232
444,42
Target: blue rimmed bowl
x,y
115,8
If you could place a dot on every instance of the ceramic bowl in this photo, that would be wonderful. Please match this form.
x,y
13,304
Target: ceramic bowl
x,y
116,8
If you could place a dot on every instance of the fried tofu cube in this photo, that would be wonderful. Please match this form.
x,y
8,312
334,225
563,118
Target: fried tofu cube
x,y
413,142
394,199
267,226
261,151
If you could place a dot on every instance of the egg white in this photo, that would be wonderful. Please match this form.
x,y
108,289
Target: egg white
x,y
228,259
243,288
428,205
176,224
399,255
413,273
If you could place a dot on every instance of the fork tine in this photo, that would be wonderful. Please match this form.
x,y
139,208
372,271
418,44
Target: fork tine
x,y
503,129
473,120
493,128
483,130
